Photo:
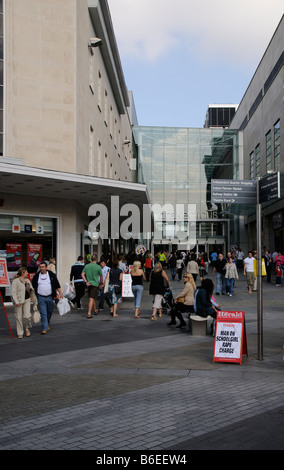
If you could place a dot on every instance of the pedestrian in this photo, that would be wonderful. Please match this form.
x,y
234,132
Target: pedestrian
x,y
201,265
157,288
51,266
22,291
268,265
103,295
219,269
179,266
231,275
172,265
203,301
249,270
192,267
47,288
279,261
184,301
148,265
122,264
137,276
79,284
278,273
93,277
114,288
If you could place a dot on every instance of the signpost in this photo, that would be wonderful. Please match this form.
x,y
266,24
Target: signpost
x,y
233,191
230,337
255,192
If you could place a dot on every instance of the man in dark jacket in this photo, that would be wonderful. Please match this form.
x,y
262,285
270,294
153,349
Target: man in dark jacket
x,y
46,286
75,276
219,268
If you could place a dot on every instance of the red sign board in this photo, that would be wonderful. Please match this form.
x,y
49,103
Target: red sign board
x,y
230,337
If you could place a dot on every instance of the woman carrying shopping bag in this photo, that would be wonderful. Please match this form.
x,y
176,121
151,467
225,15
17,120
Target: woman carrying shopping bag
x,y
22,291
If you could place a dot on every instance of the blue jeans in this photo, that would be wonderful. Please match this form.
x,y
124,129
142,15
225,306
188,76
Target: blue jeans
x,y
221,283
137,292
230,285
45,306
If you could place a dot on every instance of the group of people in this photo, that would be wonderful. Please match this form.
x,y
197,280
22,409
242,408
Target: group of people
x,y
103,281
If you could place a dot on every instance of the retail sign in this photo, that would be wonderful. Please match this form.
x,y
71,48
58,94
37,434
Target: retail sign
x,y
230,337
233,191
39,229
4,278
16,228
28,228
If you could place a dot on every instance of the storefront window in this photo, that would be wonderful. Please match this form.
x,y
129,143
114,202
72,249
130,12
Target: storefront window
x,y
26,241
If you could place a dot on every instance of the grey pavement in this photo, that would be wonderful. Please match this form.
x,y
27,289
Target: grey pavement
x,y
126,384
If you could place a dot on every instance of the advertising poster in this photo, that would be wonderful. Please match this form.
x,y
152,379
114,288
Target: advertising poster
x,y
34,254
14,255
230,337
4,278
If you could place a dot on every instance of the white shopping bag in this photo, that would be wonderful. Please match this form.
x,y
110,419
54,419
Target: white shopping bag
x,y
69,291
63,306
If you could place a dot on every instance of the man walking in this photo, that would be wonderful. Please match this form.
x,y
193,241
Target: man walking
x,y
219,268
76,277
46,286
93,276
249,271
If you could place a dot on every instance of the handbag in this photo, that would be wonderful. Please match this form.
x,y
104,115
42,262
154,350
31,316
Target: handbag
x,y
181,300
35,315
117,289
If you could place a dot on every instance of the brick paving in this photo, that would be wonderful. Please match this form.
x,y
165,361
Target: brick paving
x,y
122,384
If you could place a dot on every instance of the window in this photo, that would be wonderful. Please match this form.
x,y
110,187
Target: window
x,y
257,161
268,151
251,171
99,91
277,146
91,151
91,70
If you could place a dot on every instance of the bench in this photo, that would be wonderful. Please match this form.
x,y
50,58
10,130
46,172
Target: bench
x,y
199,325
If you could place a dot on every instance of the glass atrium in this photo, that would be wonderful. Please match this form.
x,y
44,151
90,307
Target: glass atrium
x,y
177,165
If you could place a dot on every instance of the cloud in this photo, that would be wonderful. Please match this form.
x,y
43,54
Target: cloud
x,y
234,31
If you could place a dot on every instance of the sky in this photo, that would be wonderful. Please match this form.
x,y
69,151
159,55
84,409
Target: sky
x,y
180,56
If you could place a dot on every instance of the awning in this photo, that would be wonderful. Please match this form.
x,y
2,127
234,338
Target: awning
x,y
87,190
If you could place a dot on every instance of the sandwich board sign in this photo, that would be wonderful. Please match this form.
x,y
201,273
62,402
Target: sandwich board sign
x,y
4,282
127,285
230,337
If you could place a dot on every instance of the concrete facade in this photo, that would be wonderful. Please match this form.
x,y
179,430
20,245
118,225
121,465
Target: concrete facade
x,y
260,117
67,124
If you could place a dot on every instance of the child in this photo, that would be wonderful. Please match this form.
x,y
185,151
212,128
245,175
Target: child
x,y
278,273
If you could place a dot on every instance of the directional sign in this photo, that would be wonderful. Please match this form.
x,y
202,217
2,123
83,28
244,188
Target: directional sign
x,y
269,188
233,191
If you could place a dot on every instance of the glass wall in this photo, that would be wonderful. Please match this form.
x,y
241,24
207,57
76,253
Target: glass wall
x,y
177,165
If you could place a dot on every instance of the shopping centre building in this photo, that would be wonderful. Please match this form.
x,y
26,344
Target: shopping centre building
x,y
69,139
